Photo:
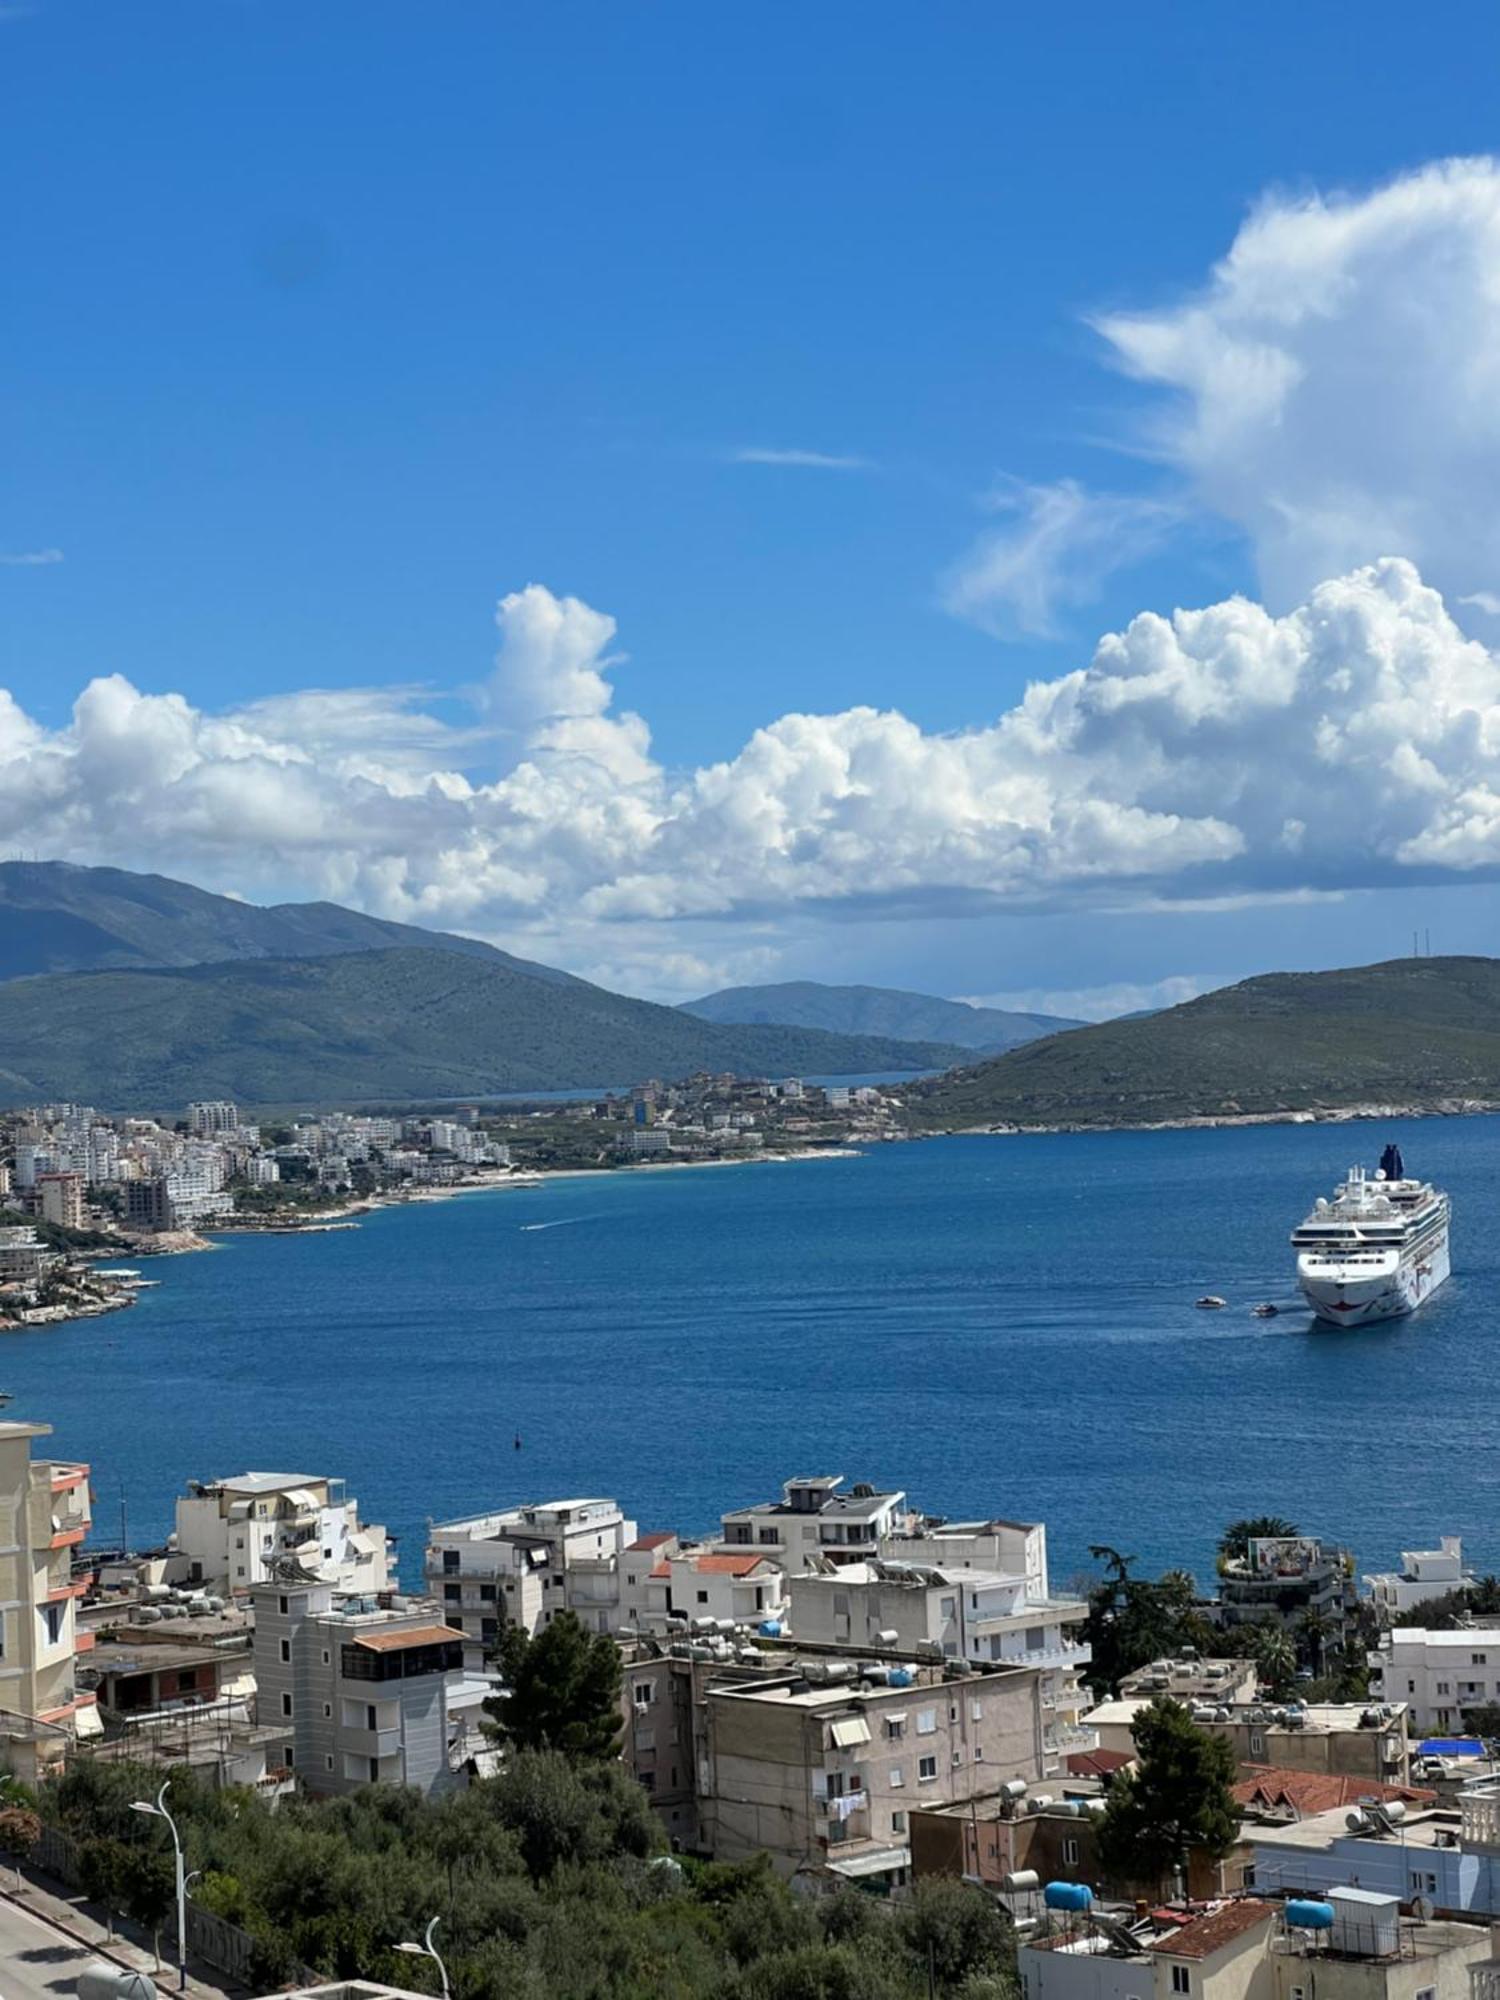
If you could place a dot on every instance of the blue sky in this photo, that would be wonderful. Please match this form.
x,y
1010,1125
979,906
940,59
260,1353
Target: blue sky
x,y
326,327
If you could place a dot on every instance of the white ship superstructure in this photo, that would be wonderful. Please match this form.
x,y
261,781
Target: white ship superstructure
x,y
1378,1250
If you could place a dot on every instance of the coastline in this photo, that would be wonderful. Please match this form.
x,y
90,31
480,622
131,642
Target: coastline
x,y
1350,1114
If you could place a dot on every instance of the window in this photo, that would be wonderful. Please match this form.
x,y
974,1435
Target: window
x,y
978,1753
926,1721
327,1656
374,1770
898,1825
1070,1853
1422,1883
768,1537
949,1607
645,1739
1257,1743
286,1652
1479,1659
486,1593
1443,1687
327,1763
1425,1993
1411,1687
289,1755
1182,1979
895,1728
328,1717
643,1694
703,1597
1299,1993
282,1606
450,1560
557,1583
976,1710
453,1593
897,1778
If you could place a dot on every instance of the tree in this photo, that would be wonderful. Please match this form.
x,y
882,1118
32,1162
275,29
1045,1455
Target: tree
x,y
1234,1543
957,1930
20,1830
1178,1798
1132,1620
562,1691
1275,1659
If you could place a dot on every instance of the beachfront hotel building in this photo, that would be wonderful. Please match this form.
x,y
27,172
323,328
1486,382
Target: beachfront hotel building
x,y
816,1517
1440,1675
1423,1575
230,1532
44,1516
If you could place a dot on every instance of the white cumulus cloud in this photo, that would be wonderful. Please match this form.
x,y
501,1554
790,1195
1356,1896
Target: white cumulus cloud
x,y
1335,387
1213,755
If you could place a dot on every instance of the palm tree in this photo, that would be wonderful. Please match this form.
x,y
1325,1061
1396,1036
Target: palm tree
x,y
1275,1659
1315,1630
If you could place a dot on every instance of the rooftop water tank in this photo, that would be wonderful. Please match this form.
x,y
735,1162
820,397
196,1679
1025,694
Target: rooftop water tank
x,y
900,1677
1305,1915
770,1628
1021,1882
1068,1896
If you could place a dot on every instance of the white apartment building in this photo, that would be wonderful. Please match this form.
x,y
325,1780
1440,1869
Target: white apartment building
x,y
522,1565
730,1589
976,1615
814,1517
1438,1674
44,1516
1424,1574
364,1696
231,1531
210,1118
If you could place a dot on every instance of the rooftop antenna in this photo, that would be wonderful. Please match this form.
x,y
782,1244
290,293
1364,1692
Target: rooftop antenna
x,y
1427,941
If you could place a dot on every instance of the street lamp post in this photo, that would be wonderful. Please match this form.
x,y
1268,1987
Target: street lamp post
x,y
427,1949
159,1811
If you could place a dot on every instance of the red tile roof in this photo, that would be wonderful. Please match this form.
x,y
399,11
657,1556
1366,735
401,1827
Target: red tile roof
x,y
1097,1763
1206,1935
725,1565
1276,1788
643,1543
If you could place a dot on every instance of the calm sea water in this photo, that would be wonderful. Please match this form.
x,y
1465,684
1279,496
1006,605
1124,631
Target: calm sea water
x,y
996,1325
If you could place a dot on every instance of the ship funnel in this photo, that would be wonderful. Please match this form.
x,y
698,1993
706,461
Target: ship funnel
x,y
1391,1164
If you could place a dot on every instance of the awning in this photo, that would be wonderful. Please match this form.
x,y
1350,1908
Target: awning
x,y
851,1729
88,1722
880,1861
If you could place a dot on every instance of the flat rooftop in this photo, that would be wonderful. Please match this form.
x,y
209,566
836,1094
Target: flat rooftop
x,y
263,1482
1317,1718
1431,1829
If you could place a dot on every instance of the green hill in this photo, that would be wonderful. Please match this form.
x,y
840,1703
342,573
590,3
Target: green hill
x,y
876,1010
55,917
358,1026
1418,1031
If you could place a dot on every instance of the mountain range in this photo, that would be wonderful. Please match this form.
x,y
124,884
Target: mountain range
x,y
877,1010
136,992
1423,1032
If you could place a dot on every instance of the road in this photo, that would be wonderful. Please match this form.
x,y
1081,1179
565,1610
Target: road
x,y
37,1962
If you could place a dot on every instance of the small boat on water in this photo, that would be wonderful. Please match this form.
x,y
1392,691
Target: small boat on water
x,y
1210,1302
1267,1311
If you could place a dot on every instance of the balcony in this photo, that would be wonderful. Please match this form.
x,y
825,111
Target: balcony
x,y
371,1742
1479,1825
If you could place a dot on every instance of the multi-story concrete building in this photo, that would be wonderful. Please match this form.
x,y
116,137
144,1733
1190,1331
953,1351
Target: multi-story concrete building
x,y
363,1695
61,1196
231,1531
1287,1580
1191,1679
822,1774
813,1517
1424,1574
1440,1675
977,1615
24,1258
522,1565
44,1516
211,1118
1450,1856
740,1589
1345,1739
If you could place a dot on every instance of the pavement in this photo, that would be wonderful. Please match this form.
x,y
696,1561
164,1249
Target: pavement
x,y
48,1937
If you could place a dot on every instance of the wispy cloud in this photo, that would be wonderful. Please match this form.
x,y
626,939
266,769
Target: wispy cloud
x,y
29,558
1483,600
816,461
1105,1003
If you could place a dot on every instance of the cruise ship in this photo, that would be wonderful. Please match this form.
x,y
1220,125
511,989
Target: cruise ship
x,y
1378,1250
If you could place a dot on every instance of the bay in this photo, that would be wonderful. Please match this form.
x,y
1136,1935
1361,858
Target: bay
x,y
996,1325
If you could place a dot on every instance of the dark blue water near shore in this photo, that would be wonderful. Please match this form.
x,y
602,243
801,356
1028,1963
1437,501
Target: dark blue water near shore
x,y
998,1325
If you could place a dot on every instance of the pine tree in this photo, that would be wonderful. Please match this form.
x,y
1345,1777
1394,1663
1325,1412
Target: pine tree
x,y
1178,1798
562,1691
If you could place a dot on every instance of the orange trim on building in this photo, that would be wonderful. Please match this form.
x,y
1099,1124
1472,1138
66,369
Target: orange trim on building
x,y
67,1590
67,1538
83,1642
65,1477
68,1708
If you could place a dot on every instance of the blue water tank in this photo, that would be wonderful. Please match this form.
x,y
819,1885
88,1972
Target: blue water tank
x,y
900,1677
1305,1915
1068,1896
770,1628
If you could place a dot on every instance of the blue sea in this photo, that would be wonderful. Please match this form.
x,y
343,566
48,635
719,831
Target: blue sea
x,y
996,1325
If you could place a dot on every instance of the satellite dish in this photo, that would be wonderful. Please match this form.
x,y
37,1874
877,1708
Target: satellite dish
x,y
1421,1909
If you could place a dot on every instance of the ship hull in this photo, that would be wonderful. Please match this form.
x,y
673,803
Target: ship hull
x,y
1361,1297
